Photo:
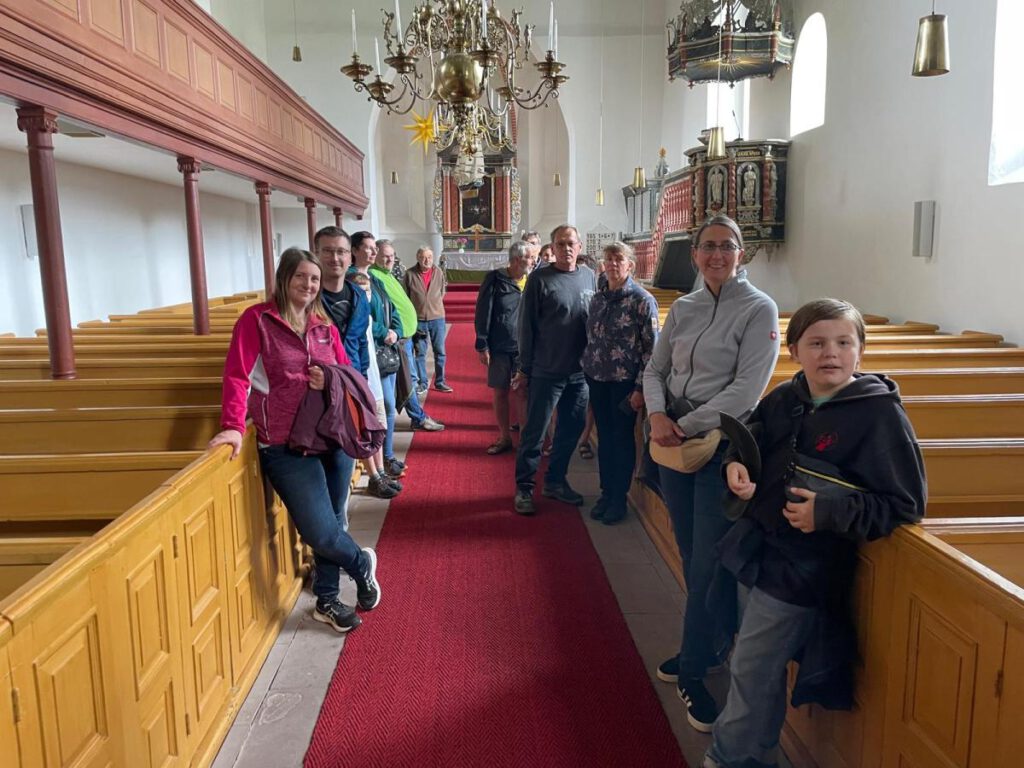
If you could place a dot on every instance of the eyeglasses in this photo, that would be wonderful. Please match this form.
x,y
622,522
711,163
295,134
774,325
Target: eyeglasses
x,y
727,247
335,251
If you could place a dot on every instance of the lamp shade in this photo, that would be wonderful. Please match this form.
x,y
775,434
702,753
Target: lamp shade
x,y
394,177
931,57
557,181
716,143
639,177
296,53
599,197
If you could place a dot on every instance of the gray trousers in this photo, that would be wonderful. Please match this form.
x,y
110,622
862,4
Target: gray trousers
x,y
747,731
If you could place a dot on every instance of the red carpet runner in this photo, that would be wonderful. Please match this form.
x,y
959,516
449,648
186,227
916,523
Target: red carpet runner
x,y
498,640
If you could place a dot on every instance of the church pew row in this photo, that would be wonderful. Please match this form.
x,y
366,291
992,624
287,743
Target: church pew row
x,y
114,368
942,381
106,393
214,303
966,416
133,347
95,430
23,556
82,486
154,628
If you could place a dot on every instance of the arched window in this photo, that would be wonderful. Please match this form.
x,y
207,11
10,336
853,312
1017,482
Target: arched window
x,y
810,64
1006,154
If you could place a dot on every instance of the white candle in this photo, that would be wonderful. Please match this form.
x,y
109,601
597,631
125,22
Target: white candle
x,y
376,53
355,40
398,21
556,39
483,18
551,26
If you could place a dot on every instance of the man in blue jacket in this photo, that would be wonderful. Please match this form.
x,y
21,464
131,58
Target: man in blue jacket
x,y
344,302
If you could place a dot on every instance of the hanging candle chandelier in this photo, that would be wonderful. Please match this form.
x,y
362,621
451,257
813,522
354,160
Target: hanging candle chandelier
x,y
465,60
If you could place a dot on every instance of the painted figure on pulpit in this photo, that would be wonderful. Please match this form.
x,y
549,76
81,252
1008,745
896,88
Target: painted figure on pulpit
x,y
716,182
750,186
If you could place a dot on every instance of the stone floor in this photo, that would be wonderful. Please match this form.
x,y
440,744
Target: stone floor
x,y
274,725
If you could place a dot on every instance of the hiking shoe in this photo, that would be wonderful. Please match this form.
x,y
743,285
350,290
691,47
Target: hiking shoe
x,y
600,507
394,467
386,478
562,492
428,425
338,616
381,488
442,387
523,503
701,710
668,670
367,588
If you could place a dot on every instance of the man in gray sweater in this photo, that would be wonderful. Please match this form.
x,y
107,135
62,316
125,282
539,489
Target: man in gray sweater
x,y
552,335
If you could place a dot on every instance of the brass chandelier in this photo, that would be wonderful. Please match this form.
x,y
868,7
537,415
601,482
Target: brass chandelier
x,y
463,59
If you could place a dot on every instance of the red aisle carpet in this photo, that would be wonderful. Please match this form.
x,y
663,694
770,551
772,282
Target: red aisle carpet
x,y
498,640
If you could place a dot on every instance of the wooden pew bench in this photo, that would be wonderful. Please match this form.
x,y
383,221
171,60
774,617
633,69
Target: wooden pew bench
x,y
114,368
974,477
22,556
119,429
97,486
959,416
884,360
106,393
942,381
102,347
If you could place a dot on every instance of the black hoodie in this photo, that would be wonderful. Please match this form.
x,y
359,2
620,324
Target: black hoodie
x,y
864,433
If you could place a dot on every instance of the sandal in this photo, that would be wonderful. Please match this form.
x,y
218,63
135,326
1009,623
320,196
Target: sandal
x,y
586,452
499,446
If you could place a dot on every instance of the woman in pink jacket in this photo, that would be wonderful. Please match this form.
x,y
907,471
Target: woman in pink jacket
x,y
271,363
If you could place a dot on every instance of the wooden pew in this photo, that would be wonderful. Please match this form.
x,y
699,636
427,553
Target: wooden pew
x,y
102,347
23,556
974,477
883,360
82,486
106,393
943,381
114,368
966,416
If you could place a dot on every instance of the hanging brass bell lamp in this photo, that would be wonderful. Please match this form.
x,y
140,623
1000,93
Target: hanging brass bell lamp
x,y
557,180
716,143
599,197
639,177
296,53
931,57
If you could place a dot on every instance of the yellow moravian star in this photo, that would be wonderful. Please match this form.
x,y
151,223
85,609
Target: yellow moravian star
x,y
422,128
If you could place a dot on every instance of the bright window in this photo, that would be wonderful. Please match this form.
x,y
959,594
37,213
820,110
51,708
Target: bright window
x,y
810,64
1006,155
733,108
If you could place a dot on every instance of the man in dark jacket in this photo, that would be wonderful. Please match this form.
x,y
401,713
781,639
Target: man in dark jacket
x,y
552,336
346,304
496,322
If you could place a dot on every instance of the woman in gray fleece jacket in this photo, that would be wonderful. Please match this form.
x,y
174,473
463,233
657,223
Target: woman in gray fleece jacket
x,y
715,354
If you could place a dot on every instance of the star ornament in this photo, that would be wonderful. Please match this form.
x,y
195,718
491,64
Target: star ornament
x,y
422,128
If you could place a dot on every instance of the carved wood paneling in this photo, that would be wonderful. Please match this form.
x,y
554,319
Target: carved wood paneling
x,y
162,72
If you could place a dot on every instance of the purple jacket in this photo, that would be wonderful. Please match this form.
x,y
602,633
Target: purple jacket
x,y
342,415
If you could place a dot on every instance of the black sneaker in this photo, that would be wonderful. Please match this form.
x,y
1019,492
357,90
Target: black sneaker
x,y
668,670
394,467
614,513
442,387
600,507
381,489
393,482
523,503
367,588
338,616
562,492
701,710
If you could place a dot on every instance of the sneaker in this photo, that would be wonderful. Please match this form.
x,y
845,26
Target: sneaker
x,y
600,507
382,490
394,467
442,387
336,615
421,389
367,588
668,670
428,425
562,492
386,478
523,503
701,710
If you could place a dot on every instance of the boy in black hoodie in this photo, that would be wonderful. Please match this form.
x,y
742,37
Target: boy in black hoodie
x,y
794,549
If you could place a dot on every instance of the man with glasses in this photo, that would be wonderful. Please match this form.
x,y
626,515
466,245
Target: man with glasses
x,y
345,303
552,335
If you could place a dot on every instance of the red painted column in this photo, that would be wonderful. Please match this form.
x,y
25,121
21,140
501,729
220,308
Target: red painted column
x,y
311,219
189,168
337,218
39,125
267,238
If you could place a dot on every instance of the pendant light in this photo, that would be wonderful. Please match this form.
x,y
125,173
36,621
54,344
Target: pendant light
x,y
639,177
556,180
599,195
931,56
716,139
394,177
296,51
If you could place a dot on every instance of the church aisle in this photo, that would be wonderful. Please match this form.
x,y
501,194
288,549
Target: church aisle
x,y
498,640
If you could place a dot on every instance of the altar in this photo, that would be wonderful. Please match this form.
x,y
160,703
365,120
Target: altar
x,y
479,261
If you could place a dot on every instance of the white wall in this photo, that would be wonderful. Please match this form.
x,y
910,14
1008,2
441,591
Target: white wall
x,y
125,245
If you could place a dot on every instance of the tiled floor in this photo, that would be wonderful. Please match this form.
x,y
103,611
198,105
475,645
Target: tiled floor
x,y
274,725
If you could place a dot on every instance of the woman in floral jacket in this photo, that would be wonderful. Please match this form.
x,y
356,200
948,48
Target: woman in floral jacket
x,y
621,329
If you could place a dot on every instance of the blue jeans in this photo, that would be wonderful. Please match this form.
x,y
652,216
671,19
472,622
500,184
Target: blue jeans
x,y
616,449
315,490
387,384
694,503
412,405
567,395
435,332
771,633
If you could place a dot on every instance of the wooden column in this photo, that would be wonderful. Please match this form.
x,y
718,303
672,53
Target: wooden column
x,y
189,168
39,125
267,238
311,219
337,218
